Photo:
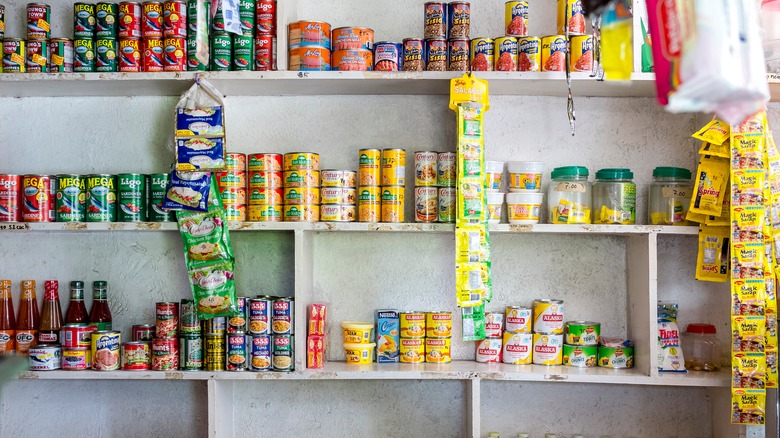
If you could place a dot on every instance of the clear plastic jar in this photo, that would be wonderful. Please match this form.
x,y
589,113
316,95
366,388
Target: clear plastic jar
x,y
614,197
569,198
669,196
701,348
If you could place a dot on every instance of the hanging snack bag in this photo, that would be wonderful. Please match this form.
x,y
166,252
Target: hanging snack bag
x,y
205,239
712,263
711,185
188,191
200,129
214,290
748,406
473,323
200,153
715,132
670,354
715,150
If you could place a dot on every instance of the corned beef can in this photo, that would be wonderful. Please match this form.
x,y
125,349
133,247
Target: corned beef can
x,y
554,53
265,17
38,21
352,38
517,348
352,60
265,53
516,18
175,57
129,20
37,56
310,59
152,21
489,350
60,55
388,56
414,54
153,54
528,54
175,19
130,55
458,54
10,196
482,50
39,194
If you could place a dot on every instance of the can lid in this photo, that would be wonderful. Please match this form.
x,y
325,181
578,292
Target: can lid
x,y
671,172
570,171
614,173
701,329
77,284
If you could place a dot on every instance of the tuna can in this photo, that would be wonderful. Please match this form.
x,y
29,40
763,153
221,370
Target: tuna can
x,y
152,20
516,18
351,60
548,349
283,353
10,198
581,53
575,20
39,192
435,19
261,353
437,350
337,195
338,178
425,168
129,20
554,53
295,178
214,326
70,203
414,54
617,357
45,357
175,57
447,198
283,316
301,161
193,63
264,213
482,50
447,169
338,213
426,204
83,20
301,213
458,20
265,162
37,56
505,58
14,53
60,55
548,317
76,335
83,55
412,324
221,52
489,350
436,54
157,188
106,55
528,54
235,212
243,51
131,197
265,53
369,167
581,356
309,34
190,353
583,333
247,15
438,324
494,324
76,358
188,318
136,356
388,56
237,323
166,320
175,19
143,332
105,20
393,167
412,350
352,38
518,319
393,204
235,162
153,55
266,196
301,195
265,17
214,360
369,204
458,54
165,354
517,348
105,350
233,195
38,22
130,55
259,310
101,198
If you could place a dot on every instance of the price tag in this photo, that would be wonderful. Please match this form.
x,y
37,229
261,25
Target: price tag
x,y
672,192
570,187
14,227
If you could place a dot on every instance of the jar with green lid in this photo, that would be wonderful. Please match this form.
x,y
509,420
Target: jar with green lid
x,y
669,196
569,197
614,197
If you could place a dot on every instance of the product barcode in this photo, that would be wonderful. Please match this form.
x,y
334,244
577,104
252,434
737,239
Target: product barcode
x,y
475,297
468,311
475,280
473,258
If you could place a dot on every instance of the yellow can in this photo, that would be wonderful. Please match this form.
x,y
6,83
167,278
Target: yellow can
x,y
264,178
393,167
301,213
302,178
301,161
264,213
438,324
517,348
548,349
369,204
393,204
369,167
528,53
516,18
548,316
412,350
575,18
581,53
412,324
337,213
554,53
369,212
437,350
235,212
301,195
265,196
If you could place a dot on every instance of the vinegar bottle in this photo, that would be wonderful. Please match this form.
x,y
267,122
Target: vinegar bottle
x,y
51,315
28,319
7,319
77,311
100,314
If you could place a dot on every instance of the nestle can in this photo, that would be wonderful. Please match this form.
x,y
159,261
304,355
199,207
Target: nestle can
x,y
83,55
83,20
105,22
152,20
505,58
39,193
190,353
14,54
193,63
129,20
101,198
76,358
10,198
393,167
221,52
236,352
458,54
548,349
458,19
494,324
243,51
518,319
489,350
283,316
548,316
38,21
426,204
435,19
517,348
554,53
214,326
60,55
447,202
482,50
158,186
581,356
167,319
130,55
188,318
528,54
37,56
105,346
143,332
106,55
165,354
436,54
175,19
45,357
262,352
369,203
581,53
414,54
369,167
70,203
265,53
175,57
447,169
131,197
388,56
76,335
136,356
516,18
214,348
283,353
237,323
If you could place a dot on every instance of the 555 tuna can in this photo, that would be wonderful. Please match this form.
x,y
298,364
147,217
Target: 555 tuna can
x,y
261,353
71,198
283,353
39,192
236,352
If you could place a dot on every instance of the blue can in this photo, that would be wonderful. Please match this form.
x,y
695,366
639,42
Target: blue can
x,y
436,55
236,352
237,323
260,359
458,20
388,56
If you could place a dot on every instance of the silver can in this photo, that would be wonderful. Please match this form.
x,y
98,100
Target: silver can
x,y
447,169
426,168
45,358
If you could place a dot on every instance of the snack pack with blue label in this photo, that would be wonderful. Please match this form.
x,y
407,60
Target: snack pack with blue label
x,y
200,121
200,129
200,153
188,191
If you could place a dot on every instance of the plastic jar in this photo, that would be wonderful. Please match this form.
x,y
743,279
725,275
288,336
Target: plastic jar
x,y
494,171
525,176
669,196
524,208
701,348
614,197
495,203
569,196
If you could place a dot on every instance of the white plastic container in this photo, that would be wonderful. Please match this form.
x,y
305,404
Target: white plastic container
x,y
525,176
523,208
495,203
494,173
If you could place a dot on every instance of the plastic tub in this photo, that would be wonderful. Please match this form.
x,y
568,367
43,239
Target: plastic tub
x,y
359,354
356,332
494,171
524,208
495,202
525,176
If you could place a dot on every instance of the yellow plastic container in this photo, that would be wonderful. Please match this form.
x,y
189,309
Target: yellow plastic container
x,y
359,354
356,332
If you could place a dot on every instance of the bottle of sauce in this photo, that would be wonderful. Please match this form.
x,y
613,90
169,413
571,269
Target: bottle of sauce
x,y
100,314
51,315
77,311
7,319
28,319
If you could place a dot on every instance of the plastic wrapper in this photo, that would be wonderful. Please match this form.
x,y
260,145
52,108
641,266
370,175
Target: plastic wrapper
x,y
188,191
712,262
472,243
214,290
748,297
721,151
710,186
205,239
200,153
748,334
716,132
748,370
670,354
473,323
748,406
200,129
617,47
665,26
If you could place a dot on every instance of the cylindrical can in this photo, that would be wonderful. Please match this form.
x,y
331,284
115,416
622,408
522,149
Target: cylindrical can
x,y
105,20
247,15
309,34
175,57
188,318
129,20
259,310
393,167
165,354
548,316
136,356
264,162
231,179
76,335
152,21
352,38
192,16
235,212
437,350
243,51
575,19
60,55
45,357
412,350
369,167
616,356
233,195
517,348
388,56
39,193
283,316
516,18
130,55
458,54
38,21
412,324
489,350
83,20
393,204
264,213
105,350
583,332
338,213
435,19
214,326
37,56
237,323
581,53
131,197
528,54
261,353
144,332
221,52
266,196
582,356
10,198
83,55
494,324
218,19
505,57
447,169
301,161
193,63
283,352
436,54
518,319
14,53
76,358
214,359
158,186
265,17
414,54
166,320
458,19
70,203
482,53
554,53
265,53
447,203
175,19
101,198
338,178
106,55
235,162
338,195
426,204
190,353
438,324
352,60
153,55
425,163
369,204
236,352
301,195
548,349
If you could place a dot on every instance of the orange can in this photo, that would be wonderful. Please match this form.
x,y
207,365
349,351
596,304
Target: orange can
x,y
393,167
369,167
264,162
301,213
266,196
393,204
352,60
264,213
581,53
264,179
369,204
554,53
575,18
235,162
437,350
528,54
301,195
232,195
301,161
235,212
350,38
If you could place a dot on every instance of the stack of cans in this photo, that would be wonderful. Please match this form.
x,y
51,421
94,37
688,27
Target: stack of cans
x,y
489,350
265,35
446,31
165,345
338,196
518,338
152,43
232,186
265,187
301,187
215,354
369,180
393,185
434,191
190,341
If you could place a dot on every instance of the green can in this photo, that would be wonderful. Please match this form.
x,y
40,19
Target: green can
x,y
101,198
189,324
190,353
83,55
83,20
243,53
582,333
71,199
218,20
246,13
131,197
617,357
283,353
192,16
581,356
221,52
105,55
105,20
158,185
193,63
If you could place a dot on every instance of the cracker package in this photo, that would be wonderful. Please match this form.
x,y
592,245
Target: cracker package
x,y
200,129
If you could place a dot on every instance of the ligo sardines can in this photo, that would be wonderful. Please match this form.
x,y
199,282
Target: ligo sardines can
x,y
175,19
262,351
76,358
144,332
193,63
351,38
548,316
338,213
106,55
130,55
243,53
458,20
283,353
369,167
221,51
505,54
153,51
39,193
190,352
71,198
10,198
393,167
265,162
528,54
84,20
548,349
37,56
517,348
338,178
458,54
45,357
438,324
581,53
265,17
259,310
301,161
583,332
105,350
129,20
14,53
236,352
247,15
516,18
265,53
414,54
131,197
136,356
352,60
554,53
412,350
309,34
435,16
158,185
518,319
105,20
489,350
283,316
152,20
388,56
83,55
38,21
237,323
494,324
482,50
60,55
583,356
337,195
436,54
437,350
412,324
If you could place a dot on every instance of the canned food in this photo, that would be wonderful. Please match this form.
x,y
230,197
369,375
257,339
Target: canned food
x,y
214,359
175,57
261,353
518,319
167,320
152,20
575,20
458,54
265,17
264,213
265,196
580,355
60,55
259,316
393,167
581,53
351,38
190,353
618,357
188,318
309,34
39,192
301,213
131,197
517,348
268,179
351,60
438,324
283,316
231,179
337,213
505,54
243,53
2,22
338,178
237,323
447,198
76,358
301,195
482,53
494,324
414,54
83,20
192,62
165,354
101,198
458,20
264,162
265,53
218,20
516,18
175,19
583,333
157,189
489,350
246,15
412,324
14,53
426,204
234,161
392,204
105,350
369,204
105,22
38,22
436,54
214,326
528,54
283,353
425,163
37,56
45,357
369,167
437,350
548,349
153,55
106,55
221,51
10,197
83,56
388,56
129,20
548,316
70,199
136,356
143,332
412,350
435,20
232,195
337,195
447,169
301,161
235,212
130,55
554,53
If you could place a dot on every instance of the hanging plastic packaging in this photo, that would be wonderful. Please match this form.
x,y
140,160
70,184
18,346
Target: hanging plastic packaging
x,y
617,44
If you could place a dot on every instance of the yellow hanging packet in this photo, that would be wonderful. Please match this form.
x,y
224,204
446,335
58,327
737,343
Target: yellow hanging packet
x,y
711,185
747,187
747,334
722,151
715,132
771,369
723,219
748,370
471,244
748,297
748,223
748,406
469,285
696,217
712,263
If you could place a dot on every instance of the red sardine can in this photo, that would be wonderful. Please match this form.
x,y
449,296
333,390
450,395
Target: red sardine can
x,y
153,53
175,56
129,20
10,197
130,55
317,313
265,17
39,193
315,351
265,53
175,19
489,350
152,21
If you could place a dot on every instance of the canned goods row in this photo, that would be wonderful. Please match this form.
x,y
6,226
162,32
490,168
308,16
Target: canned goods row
x,y
435,168
531,53
408,350
570,13
447,20
435,204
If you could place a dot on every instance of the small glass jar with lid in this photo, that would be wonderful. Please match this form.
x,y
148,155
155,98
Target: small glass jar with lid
x,y
614,197
701,348
669,196
569,197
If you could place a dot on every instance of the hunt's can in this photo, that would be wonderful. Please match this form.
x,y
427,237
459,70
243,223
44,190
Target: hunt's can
x,y
369,167
447,202
165,354
152,20
283,316
436,54
438,324
554,53
193,63
175,57
237,323
221,52
447,169
166,315
214,359
262,352
106,55
45,357
190,353
393,203
575,20
581,53
482,53
435,19
494,324
131,197
414,54
265,17
105,347
437,350
259,310
188,318
60,55
518,319
71,198
489,350
581,356
101,198
548,316
130,55
157,188
38,21
505,57
283,353
236,352
144,332
37,56
243,52
83,20
14,54
458,54
175,19
265,53
517,348
214,326
458,20
192,16
412,350
548,349
247,14
516,18
129,20
369,204
105,23
393,167
83,55
10,201
412,324
583,332
136,356
528,54
39,193
426,204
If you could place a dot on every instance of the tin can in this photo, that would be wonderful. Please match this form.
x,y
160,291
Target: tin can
x,y
60,55
39,193
489,350
352,38
218,20
482,53
106,55
266,196
583,333
352,60
70,203
105,20
233,195
425,164
265,17
388,56
237,323
426,204
616,357
548,349
152,20
83,55
167,320
136,356
310,59
528,54
301,161
517,348
436,54
412,350
264,213
438,324
193,63
129,20
338,195
14,53
265,53
369,167
458,20
188,318
131,197
458,54
264,162
165,354
516,18
234,161
37,56
447,169
10,198
437,350
283,316
338,213
105,350
259,310
575,19
175,57
261,353
338,178
494,324
393,204
45,357
192,16
235,212
309,34
175,19
76,358
214,326
505,58
554,53
283,353
231,179
369,204
101,198
221,52
130,55
247,15
243,51
153,55
158,186
414,54
435,16
412,324
143,332
190,353
581,356
301,195
393,167
581,53
518,319
548,316
2,22
447,198
214,359
38,21
83,20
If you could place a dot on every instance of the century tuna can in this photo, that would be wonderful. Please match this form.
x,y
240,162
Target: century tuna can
x,y
517,348
221,52
412,350
458,20
482,53
435,16
388,56
582,356
301,195
447,169
214,359
516,18
283,353
188,318
152,20
494,324
10,198
60,55
70,203
436,54
130,55
45,357
158,186
175,19
76,335
426,204
39,193
438,324
528,54
214,326
83,20
265,17
297,178
246,15
105,22
369,204
38,21
83,55
265,196
338,178
337,195
352,38
414,54
190,353
129,20
76,358
581,53
243,52
105,350
193,63
447,198
351,60
458,54
263,179
301,161
425,163
37,56
175,57
548,316
143,332
437,350
106,55
583,332
101,198
369,167
412,324
136,356
237,323
338,213
505,58
554,53
518,319
548,349
393,204
264,213
575,20
283,316
259,310
165,354
261,353
489,350
265,53
309,34
166,319
14,53
153,54
393,167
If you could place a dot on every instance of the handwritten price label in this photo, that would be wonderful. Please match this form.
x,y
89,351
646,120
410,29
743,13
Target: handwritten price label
x,y
672,192
15,227
570,187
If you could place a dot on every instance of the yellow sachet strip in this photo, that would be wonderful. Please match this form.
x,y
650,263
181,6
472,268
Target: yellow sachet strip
x,y
748,297
747,334
712,263
469,285
748,406
722,151
748,370
747,187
